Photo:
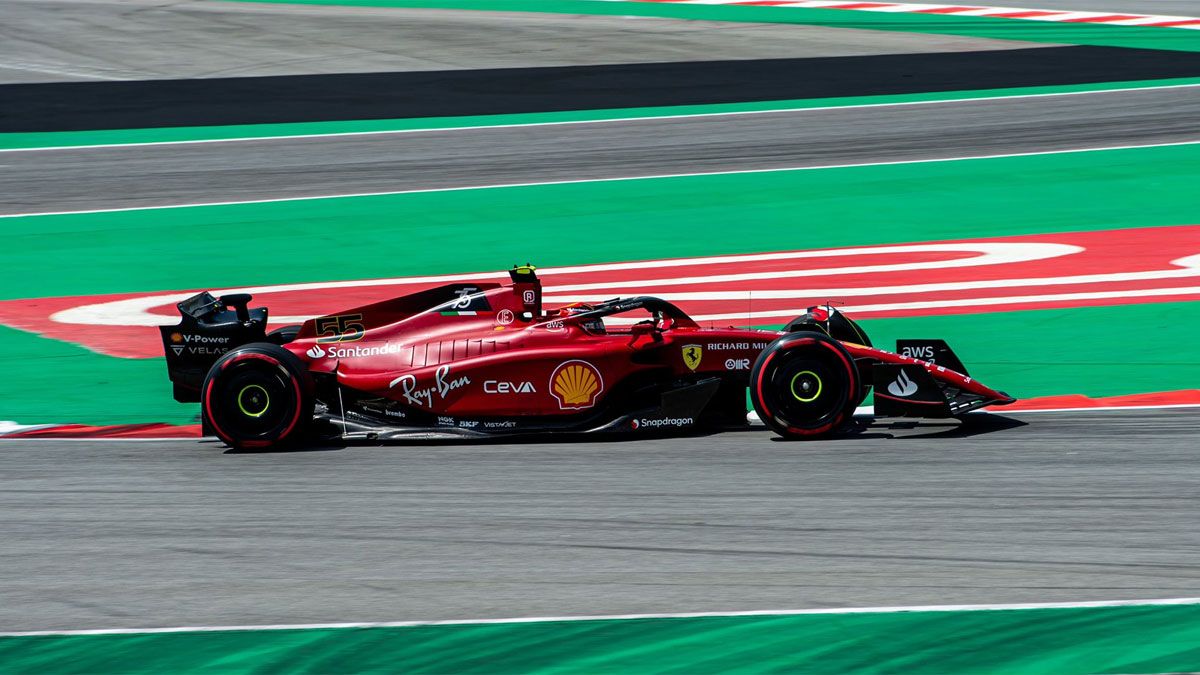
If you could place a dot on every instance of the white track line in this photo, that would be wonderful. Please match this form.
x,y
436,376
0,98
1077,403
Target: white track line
x,y
644,118
614,179
612,617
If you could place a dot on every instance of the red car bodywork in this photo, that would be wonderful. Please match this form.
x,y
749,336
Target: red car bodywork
x,y
489,359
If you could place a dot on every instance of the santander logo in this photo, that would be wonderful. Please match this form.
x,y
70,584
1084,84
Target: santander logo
x,y
315,352
903,386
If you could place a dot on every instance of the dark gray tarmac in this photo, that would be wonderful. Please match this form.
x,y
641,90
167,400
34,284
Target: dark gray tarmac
x,y
98,40
102,178
1069,507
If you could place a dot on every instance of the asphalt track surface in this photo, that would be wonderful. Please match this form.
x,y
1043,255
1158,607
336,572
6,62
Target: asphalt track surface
x,y
104,40
1026,508
99,178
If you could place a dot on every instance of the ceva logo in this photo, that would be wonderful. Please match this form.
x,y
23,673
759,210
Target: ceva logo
x,y
501,387
315,352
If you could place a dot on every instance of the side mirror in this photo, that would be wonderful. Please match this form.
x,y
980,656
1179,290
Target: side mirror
x,y
643,330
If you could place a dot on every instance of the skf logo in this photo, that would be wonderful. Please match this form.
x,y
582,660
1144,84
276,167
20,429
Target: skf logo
x,y
692,355
576,384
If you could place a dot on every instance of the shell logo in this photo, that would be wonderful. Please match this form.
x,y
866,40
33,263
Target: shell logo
x,y
576,384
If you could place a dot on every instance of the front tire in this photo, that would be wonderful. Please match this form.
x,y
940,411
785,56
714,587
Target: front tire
x,y
804,385
259,396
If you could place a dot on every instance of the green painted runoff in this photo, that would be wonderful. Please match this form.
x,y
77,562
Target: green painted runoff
x,y
1130,639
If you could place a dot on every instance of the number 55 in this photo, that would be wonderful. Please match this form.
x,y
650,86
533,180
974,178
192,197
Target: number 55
x,y
343,328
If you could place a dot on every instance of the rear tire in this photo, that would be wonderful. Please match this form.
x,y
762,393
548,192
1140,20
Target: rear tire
x,y
259,396
804,385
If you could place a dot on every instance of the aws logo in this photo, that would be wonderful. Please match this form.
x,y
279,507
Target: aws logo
x,y
576,384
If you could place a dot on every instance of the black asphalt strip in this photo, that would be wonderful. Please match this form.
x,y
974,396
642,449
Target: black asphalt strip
x,y
310,98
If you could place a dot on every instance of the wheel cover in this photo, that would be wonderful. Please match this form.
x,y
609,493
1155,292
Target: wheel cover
x,y
806,386
253,400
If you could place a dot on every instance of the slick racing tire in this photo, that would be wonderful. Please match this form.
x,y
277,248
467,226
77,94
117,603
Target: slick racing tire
x,y
257,397
804,385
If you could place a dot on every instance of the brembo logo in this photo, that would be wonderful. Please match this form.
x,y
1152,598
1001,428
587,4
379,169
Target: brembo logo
x,y
903,386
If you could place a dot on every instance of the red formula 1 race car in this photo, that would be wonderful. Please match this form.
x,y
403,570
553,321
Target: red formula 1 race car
x,y
485,359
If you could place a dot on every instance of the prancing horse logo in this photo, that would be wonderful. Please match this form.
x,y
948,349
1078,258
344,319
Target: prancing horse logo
x,y
692,355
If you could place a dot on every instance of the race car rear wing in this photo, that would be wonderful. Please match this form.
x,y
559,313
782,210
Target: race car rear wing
x,y
208,328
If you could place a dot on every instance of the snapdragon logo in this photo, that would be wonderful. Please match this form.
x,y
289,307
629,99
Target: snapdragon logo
x,y
663,422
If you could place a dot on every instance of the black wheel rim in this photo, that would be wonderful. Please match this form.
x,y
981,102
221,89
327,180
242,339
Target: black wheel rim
x,y
254,400
803,390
